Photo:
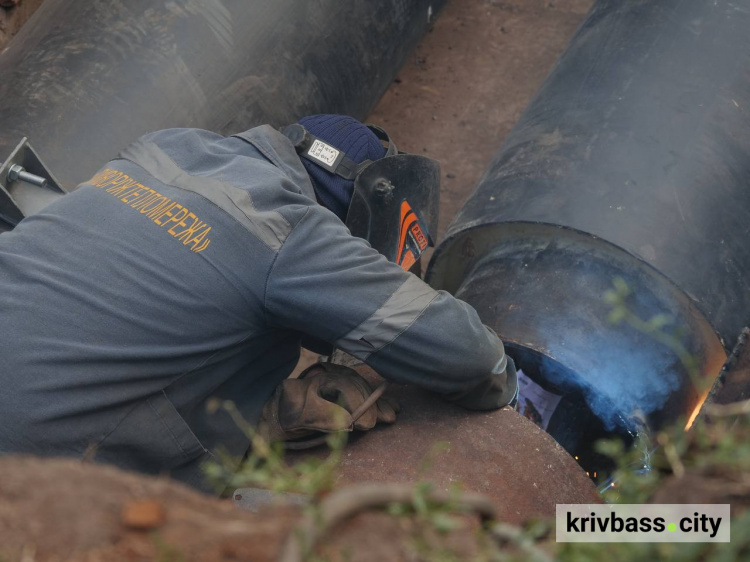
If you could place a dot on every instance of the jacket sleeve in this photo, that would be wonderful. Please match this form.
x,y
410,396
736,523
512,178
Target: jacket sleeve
x,y
335,287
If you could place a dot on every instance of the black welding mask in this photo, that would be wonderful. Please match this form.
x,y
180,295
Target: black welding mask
x,y
394,205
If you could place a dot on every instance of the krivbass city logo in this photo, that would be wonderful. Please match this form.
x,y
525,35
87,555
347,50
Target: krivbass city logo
x,y
642,523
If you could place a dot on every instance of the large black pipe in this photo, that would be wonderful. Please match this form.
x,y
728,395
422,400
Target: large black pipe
x,y
632,161
84,78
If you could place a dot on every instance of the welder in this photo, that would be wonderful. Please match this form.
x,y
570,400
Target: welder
x,y
189,268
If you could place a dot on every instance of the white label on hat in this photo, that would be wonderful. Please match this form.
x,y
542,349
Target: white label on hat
x,y
323,152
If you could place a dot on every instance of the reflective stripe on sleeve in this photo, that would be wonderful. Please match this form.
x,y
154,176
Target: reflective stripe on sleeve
x,y
398,313
502,363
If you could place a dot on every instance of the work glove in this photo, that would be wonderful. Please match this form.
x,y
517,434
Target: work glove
x,y
496,391
322,399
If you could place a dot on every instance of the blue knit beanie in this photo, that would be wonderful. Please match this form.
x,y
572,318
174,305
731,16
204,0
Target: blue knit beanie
x,y
351,137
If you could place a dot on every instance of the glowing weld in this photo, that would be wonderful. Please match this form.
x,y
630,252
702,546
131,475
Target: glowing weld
x,y
696,410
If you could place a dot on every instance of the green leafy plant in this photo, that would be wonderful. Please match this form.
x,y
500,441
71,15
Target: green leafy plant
x,y
165,552
656,327
437,515
265,467
431,517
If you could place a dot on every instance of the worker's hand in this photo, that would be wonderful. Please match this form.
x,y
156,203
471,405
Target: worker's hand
x,y
496,391
322,399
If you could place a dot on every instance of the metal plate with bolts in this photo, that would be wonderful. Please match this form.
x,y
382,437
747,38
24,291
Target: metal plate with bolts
x,y
26,186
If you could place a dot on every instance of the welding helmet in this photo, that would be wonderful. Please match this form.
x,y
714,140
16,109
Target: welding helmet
x,y
394,204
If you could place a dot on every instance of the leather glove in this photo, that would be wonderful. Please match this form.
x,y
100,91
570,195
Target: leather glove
x,y
322,399
494,392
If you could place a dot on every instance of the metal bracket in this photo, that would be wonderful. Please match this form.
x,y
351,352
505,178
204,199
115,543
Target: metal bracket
x,y
26,186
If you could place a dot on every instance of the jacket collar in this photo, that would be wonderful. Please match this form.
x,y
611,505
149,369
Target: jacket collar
x,y
280,151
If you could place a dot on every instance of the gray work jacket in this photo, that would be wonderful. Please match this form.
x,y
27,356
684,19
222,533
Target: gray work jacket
x,y
186,269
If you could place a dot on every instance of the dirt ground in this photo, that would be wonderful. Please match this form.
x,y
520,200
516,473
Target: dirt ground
x,y
102,514
469,81
84,520
13,14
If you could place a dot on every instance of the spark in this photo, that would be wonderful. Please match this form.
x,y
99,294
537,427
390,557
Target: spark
x,y
696,411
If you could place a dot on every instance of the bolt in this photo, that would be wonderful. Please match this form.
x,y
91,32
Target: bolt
x,y
17,172
383,187
384,190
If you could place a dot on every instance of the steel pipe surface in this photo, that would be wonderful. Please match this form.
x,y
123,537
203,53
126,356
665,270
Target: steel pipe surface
x,y
500,454
632,161
85,78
